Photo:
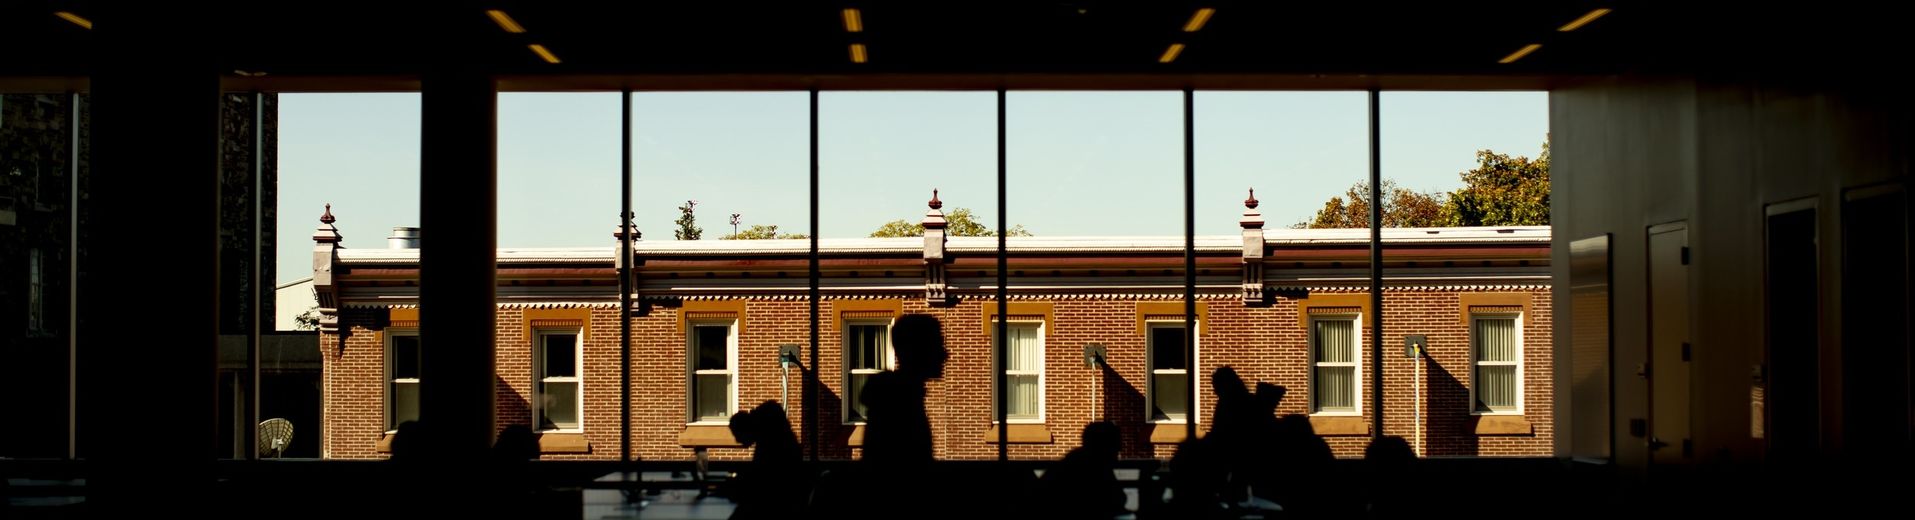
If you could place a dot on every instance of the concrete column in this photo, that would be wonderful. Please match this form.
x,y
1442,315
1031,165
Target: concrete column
x,y
149,276
458,199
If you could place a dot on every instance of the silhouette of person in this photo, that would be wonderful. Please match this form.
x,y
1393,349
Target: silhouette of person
x,y
409,443
1084,484
896,472
1394,486
1239,459
411,461
897,429
774,484
516,444
515,487
1304,458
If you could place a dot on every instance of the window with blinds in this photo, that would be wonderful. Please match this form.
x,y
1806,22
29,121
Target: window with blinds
x,y
1497,380
1333,374
1024,372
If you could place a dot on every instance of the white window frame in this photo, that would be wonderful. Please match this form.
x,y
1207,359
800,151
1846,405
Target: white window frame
x,y
391,336
539,379
1356,362
1151,371
844,358
692,372
1037,325
1516,317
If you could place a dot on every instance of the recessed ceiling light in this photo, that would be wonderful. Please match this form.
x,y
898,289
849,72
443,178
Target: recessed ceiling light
x,y
544,54
1580,22
1171,53
857,53
1197,20
1520,53
505,21
853,21
76,19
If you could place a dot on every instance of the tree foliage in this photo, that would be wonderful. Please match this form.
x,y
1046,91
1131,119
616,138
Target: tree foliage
x,y
760,232
1402,207
1500,191
308,320
963,223
688,223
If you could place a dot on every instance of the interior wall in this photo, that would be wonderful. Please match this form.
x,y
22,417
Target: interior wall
x,y
1633,152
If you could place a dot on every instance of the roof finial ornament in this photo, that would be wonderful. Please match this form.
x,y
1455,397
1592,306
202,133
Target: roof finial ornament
x,y
1252,201
327,218
935,203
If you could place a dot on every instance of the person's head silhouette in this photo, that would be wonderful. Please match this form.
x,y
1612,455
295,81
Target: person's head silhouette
x,y
1102,439
918,342
516,443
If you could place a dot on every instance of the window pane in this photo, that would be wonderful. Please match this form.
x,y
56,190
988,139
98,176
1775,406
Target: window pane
x,y
559,408
880,153
711,347
1024,396
561,355
1496,388
1336,389
405,403
1026,351
713,397
1336,341
1167,348
1168,393
405,357
867,347
853,395
1496,340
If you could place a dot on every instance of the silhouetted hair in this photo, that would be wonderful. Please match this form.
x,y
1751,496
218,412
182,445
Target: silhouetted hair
x,y
516,443
408,441
1389,451
917,340
1103,438
774,485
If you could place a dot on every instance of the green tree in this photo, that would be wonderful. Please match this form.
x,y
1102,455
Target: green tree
x,y
963,223
688,223
1502,191
1402,207
308,320
760,232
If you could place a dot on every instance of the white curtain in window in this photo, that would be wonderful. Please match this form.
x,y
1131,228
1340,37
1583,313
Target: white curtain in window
x,y
1025,363
1336,365
1496,363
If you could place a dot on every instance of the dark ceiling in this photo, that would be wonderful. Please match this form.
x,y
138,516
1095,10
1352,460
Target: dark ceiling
x,y
918,43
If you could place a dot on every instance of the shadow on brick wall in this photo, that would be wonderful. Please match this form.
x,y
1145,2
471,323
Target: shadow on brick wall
x,y
513,408
1123,404
1447,415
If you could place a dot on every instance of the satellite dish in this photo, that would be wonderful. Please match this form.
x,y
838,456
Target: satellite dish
x,y
275,435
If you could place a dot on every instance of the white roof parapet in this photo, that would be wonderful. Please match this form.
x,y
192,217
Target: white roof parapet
x,y
914,246
1451,235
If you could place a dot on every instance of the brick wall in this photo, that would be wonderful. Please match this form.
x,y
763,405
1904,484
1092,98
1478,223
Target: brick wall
x,y
1262,343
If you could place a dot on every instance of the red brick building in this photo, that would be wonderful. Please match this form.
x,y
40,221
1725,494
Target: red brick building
x,y
1284,306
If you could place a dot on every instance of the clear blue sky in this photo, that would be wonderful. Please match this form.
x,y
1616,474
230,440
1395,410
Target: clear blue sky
x,y
1080,163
